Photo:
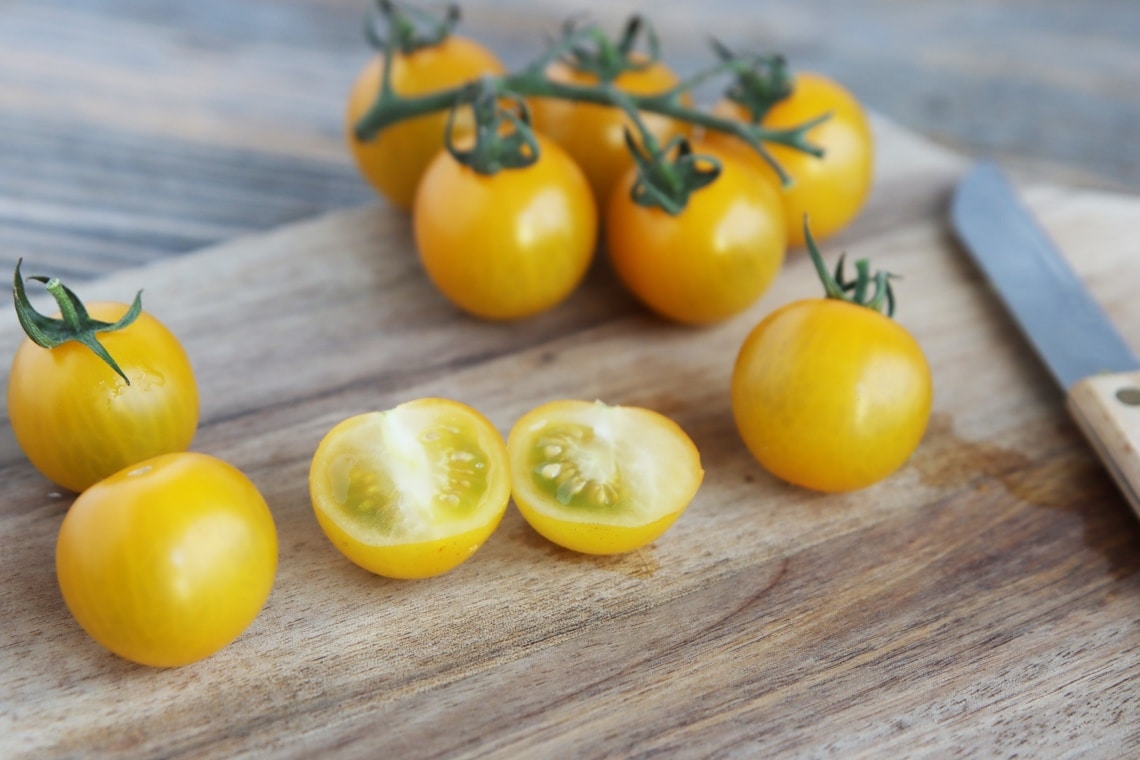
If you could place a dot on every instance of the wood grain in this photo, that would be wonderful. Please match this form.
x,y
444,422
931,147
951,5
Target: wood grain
x,y
1107,410
131,131
981,602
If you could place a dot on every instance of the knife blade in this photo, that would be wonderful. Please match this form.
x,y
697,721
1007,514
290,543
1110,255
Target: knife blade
x,y
1091,362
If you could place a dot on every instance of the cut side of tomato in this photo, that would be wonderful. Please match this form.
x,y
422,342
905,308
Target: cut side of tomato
x,y
601,479
413,491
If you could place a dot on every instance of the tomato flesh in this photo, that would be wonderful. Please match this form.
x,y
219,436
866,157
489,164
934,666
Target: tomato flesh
x,y
413,491
601,479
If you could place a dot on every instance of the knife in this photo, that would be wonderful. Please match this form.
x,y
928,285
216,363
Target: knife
x,y
1095,368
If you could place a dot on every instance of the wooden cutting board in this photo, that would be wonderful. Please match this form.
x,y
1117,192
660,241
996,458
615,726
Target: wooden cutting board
x,y
982,601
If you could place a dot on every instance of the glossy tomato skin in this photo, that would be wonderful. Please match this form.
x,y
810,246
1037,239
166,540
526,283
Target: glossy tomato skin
x,y
78,421
713,259
414,561
594,135
601,479
831,190
831,396
395,159
167,561
594,538
510,244
411,492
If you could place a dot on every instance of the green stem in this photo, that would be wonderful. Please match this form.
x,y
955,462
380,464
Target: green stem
x,y
494,148
408,29
71,310
74,324
607,59
667,178
391,108
563,47
587,49
857,291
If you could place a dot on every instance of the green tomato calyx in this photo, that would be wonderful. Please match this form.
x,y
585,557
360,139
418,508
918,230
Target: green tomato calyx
x,y
591,51
760,81
408,29
872,290
666,178
504,138
75,324
587,48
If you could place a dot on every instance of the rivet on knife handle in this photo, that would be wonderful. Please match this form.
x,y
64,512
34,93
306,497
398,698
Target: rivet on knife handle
x,y
1107,410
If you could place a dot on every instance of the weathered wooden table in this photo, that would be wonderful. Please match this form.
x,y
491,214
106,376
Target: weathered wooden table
x,y
982,602
130,131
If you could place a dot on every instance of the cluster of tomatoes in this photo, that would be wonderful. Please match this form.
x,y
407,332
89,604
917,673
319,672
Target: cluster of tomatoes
x,y
827,393
516,242
168,555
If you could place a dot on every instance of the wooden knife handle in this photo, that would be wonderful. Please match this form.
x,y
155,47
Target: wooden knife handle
x,y
1107,410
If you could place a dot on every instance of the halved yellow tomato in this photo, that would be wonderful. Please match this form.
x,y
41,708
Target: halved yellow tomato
x,y
601,479
412,491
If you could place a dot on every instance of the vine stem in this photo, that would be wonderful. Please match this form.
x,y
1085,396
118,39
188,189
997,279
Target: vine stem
x,y
391,108
857,291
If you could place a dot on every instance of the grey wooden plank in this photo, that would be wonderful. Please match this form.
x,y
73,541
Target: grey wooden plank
x,y
137,129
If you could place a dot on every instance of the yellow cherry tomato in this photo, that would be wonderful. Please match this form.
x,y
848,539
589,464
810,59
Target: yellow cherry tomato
x,y
831,190
394,160
594,135
78,421
710,261
601,479
169,560
413,491
830,395
506,245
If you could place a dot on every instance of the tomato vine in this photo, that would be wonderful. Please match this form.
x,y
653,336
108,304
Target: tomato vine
x,y
758,81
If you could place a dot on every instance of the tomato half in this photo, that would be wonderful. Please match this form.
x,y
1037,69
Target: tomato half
x,y
831,190
169,560
510,244
413,491
601,479
78,421
830,395
594,135
395,159
712,260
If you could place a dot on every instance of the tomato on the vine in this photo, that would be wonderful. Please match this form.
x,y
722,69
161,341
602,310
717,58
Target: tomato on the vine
x,y
831,395
395,159
506,245
413,491
169,560
594,135
831,190
601,479
711,260
78,421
